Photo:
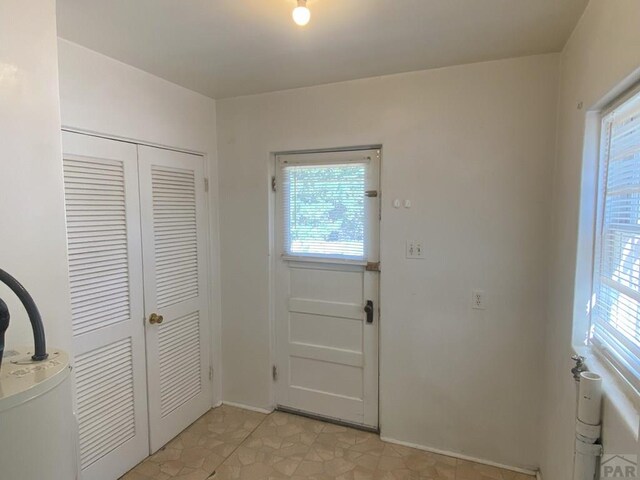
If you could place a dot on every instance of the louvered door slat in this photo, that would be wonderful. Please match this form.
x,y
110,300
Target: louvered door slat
x,y
85,261
177,259
113,279
104,290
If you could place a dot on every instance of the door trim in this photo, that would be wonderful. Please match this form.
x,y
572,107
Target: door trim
x,y
274,257
119,138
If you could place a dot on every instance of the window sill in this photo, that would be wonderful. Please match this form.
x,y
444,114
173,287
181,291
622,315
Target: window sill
x,y
621,394
327,260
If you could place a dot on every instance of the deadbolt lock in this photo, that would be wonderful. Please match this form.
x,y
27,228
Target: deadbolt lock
x,y
155,318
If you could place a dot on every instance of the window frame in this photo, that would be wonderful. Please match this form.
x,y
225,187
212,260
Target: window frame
x,y
370,156
288,215
621,362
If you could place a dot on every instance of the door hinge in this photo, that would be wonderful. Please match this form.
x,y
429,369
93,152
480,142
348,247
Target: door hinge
x,y
273,183
206,184
371,193
274,373
210,374
373,267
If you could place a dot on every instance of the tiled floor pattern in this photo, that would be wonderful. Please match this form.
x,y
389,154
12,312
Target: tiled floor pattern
x,y
228,443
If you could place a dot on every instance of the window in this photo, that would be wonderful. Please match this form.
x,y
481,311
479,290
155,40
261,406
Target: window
x,y
324,210
615,318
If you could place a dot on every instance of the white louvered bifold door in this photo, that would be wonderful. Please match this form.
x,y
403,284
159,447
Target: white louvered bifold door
x,y
172,200
105,272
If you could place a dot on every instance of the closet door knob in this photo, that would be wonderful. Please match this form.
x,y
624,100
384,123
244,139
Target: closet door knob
x,y
155,318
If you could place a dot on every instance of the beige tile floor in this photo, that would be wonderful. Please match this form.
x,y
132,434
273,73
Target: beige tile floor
x,y
228,443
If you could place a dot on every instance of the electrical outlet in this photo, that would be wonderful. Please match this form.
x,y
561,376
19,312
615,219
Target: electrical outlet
x,y
478,300
414,249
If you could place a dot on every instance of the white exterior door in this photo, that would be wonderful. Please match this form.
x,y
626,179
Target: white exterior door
x,y
176,290
105,272
326,291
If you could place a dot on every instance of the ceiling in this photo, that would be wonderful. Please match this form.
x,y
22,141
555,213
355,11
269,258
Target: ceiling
x,y
225,48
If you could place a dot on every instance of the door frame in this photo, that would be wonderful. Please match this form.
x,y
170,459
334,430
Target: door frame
x,y
211,258
273,258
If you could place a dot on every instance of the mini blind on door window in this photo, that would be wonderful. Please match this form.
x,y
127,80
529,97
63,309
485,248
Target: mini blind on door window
x,y
616,287
324,210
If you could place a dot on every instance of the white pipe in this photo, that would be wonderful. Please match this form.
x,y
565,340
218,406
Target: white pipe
x,y
588,427
590,398
586,459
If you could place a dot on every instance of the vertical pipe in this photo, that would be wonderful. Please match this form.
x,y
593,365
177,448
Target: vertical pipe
x,y
585,463
588,419
590,398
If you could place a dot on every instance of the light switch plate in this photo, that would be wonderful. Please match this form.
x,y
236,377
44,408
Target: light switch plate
x,y
415,249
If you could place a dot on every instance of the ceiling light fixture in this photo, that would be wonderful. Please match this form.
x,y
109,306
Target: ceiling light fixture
x,y
301,14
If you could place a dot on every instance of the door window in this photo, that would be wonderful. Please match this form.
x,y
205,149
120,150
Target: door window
x,y
324,210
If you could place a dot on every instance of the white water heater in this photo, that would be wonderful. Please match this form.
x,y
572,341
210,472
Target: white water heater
x,y
37,426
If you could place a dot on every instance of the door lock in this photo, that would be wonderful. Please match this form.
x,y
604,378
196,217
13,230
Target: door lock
x,y
154,318
368,308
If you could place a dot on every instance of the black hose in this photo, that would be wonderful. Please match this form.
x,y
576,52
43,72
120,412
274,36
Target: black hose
x,y
32,311
4,324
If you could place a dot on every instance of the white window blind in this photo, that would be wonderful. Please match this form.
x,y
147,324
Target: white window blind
x,y
324,210
616,287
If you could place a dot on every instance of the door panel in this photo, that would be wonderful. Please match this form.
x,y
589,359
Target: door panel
x,y
327,354
180,366
175,287
105,272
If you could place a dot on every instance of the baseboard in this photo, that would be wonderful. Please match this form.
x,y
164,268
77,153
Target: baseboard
x,y
460,456
247,407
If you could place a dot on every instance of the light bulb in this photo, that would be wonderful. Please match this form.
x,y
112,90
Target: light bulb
x,y
301,14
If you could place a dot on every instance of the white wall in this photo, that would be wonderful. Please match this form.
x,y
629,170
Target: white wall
x,y
472,148
602,53
101,95
33,238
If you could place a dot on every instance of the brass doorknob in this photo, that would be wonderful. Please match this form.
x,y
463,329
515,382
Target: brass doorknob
x,y
155,318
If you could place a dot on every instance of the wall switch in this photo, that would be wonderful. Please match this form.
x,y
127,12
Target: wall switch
x,y
478,300
414,249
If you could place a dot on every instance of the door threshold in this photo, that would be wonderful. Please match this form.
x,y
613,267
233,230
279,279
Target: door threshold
x,y
322,418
